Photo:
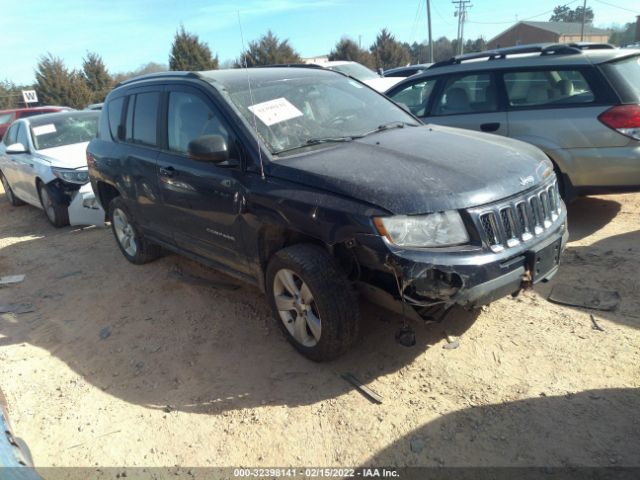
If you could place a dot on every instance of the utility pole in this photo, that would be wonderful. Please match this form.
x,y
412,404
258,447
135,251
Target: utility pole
x,y
584,8
461,13
430,60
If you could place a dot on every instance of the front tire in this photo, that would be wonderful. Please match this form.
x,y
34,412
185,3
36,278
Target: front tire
x,y
129,238
56,212
11,197
313,302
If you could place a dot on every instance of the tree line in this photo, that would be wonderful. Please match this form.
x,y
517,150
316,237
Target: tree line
x,y
58,85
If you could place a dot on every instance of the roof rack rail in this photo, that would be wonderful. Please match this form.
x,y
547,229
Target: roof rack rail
x,y
290,65
542,49
150,76
592,46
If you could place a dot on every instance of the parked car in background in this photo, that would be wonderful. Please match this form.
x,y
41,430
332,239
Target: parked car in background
x,y
362,73
406,71
95,106
43,163
580,103
7,117
307,184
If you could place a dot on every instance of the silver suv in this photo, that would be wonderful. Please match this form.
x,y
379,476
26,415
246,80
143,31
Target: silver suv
x,y
580,103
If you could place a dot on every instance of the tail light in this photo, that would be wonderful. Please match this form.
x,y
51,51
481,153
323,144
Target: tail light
x,y
624,119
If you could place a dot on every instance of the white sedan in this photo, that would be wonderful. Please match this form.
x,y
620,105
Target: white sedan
x,y
43,162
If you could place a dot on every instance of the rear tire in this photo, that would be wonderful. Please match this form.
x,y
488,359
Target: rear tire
x,y
313,302
11,197
57,213
129,238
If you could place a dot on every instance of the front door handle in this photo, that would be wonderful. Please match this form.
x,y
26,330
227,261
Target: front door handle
x,y
168,172
490,127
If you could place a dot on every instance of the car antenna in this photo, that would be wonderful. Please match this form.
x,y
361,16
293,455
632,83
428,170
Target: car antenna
x,y
243,59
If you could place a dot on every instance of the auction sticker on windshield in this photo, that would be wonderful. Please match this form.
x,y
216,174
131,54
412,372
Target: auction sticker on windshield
x,y
275,111
44,129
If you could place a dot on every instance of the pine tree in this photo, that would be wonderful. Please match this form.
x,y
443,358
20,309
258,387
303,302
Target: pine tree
x,y
56,85
388,52
96,77
189,53
269,50
347,49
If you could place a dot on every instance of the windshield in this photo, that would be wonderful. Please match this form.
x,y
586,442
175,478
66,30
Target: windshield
x,y
355,70
628,72
308,110
48,132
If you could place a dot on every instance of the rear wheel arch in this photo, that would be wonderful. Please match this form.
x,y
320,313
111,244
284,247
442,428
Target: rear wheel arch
x,y
106,193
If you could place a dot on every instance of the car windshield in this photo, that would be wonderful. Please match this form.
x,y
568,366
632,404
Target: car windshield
x,y
64,129
355,70
292,113
629,72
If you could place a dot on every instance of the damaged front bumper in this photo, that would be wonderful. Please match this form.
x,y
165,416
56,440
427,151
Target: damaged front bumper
x,y
469,276
84,209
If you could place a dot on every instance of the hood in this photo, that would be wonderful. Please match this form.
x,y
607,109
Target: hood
x,y
424,169
67,156
382,84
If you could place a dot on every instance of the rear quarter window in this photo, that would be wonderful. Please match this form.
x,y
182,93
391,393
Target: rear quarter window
x,y
114,112
549,88
625,74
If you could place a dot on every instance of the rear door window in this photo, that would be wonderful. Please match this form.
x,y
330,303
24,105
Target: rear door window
x,y
474,93
142,118
537,88
416,96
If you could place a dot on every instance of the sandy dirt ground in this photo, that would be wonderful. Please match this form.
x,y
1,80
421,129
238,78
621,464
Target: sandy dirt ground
x,y
174,364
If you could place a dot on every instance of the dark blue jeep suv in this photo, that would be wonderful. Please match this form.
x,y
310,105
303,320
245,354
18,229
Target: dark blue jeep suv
x,y
313,186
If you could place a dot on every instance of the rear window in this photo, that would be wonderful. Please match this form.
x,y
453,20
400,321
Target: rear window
x,y
627,73
6,117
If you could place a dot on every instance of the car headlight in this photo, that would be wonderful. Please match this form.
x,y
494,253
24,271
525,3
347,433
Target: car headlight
x,y
72,176
433,230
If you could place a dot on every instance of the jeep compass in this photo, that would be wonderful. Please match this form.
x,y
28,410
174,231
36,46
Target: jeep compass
x,y
314,187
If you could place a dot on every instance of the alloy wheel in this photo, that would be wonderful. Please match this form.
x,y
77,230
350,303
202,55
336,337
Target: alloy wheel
x,y
297,308
124,232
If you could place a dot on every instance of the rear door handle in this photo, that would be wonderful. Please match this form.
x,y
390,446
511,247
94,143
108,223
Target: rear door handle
x,y
490,127
168,172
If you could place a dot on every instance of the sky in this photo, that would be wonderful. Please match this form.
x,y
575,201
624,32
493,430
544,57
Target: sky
x,y
128,34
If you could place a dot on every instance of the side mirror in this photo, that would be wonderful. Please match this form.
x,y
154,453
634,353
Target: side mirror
x,y
209,148
16,148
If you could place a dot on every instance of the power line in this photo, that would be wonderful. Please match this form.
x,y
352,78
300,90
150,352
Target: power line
x,y
637,12
528,18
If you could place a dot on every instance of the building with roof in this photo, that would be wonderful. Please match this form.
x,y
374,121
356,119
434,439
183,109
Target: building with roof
x,y
547,32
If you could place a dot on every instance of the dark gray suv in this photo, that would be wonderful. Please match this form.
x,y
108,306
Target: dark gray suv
x,y
313,186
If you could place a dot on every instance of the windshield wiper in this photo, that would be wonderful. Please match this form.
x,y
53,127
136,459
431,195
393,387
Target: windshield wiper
x,y
317,141
389,126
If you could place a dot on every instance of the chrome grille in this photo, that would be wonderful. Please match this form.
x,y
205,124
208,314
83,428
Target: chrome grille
x,y
508,223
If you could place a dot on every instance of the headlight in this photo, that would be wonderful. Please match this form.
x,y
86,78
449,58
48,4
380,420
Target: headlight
x,y
433,230
72,176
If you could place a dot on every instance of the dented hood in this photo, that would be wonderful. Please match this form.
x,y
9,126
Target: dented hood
x,y
66,156
415,170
